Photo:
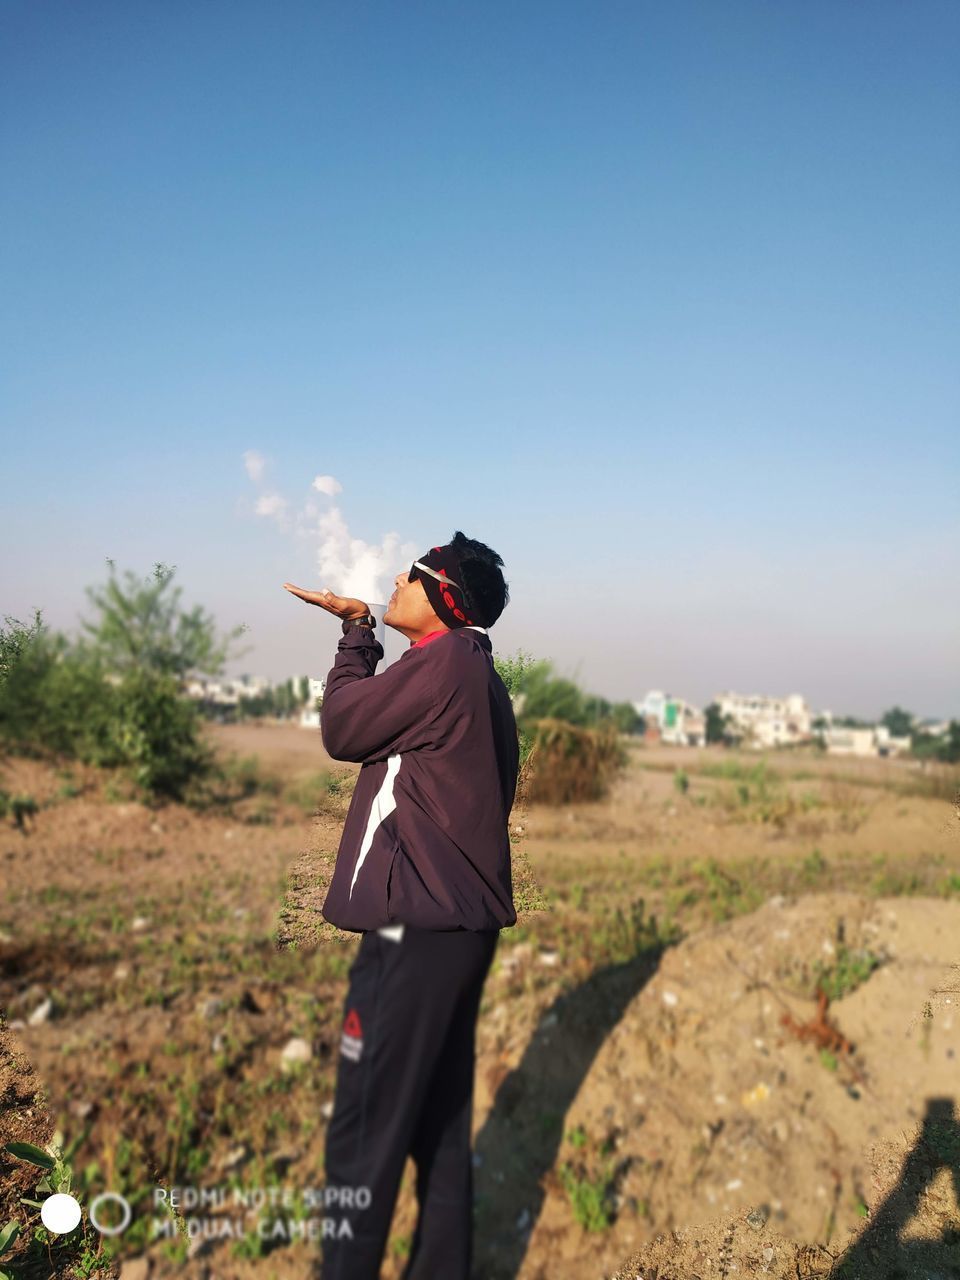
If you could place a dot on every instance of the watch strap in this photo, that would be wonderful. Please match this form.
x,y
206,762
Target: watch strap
x,y
365,620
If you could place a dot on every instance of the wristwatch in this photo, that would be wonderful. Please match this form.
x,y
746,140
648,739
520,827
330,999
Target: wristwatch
x,y
365,620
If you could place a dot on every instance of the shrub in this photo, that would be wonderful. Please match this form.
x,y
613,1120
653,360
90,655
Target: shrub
x,y
572,763
116,699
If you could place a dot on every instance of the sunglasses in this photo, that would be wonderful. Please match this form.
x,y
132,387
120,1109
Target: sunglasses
x,y
418,567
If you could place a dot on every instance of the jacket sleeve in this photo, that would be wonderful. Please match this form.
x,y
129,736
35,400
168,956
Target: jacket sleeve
x,y
366,717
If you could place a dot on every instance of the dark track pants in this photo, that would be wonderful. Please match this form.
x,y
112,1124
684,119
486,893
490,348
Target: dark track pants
x,y
405,1087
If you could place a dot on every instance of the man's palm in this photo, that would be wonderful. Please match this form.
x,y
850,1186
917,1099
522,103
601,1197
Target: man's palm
x,y
342,606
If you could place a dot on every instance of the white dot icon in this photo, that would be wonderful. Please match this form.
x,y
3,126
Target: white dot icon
x,y
60,1213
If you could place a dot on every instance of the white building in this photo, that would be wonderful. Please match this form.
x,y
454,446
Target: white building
x,y
310,715
937,728
767,722
875,740
680,722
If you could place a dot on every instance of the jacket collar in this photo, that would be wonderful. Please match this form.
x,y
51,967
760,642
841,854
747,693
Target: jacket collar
x,y
482,637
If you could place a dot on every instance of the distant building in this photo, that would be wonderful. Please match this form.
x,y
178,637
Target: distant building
x,y
220,698
875,740
310,715
672,720
936,728
767,722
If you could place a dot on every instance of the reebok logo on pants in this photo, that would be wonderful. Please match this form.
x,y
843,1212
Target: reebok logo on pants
x,y
351,1040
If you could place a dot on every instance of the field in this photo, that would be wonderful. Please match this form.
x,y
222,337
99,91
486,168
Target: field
x,y
656,1094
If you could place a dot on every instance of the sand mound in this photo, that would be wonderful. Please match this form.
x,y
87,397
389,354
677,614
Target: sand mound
x,y
724,1115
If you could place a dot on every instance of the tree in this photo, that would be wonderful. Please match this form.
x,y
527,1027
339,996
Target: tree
x,y
720,726
548,696
56,701
898,721
715,723
512,670
142,629
927,746
627,718
116,696
14,643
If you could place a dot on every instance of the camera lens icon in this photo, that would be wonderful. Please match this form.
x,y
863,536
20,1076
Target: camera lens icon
x,y
106,1229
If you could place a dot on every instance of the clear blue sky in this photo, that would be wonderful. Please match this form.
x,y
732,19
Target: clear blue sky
x,y
660,300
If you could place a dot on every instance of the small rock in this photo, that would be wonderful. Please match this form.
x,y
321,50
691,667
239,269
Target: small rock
x,y
327,1110
120,972
670,997
757,1218
139,922
549,957
41,1014
218,1043
234,1157
295,1050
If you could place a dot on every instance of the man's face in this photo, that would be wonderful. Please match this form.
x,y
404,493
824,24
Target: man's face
x,y
409,609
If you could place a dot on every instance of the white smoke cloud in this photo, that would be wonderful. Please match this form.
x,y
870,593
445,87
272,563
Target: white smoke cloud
x,y
255,463
352,567
274,505
345,564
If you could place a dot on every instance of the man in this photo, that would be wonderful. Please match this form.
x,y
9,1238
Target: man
x,y
423,873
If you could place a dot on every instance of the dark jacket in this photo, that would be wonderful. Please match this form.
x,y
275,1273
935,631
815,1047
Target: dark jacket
x,y
425,840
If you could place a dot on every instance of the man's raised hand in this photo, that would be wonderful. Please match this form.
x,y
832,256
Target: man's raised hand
x,y
343,606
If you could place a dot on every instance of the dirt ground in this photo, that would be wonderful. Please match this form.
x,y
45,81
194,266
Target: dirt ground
x,y
640,1108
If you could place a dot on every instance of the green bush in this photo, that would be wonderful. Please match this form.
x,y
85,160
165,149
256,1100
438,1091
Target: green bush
x,y
155,733
56,701
14,642
116,698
